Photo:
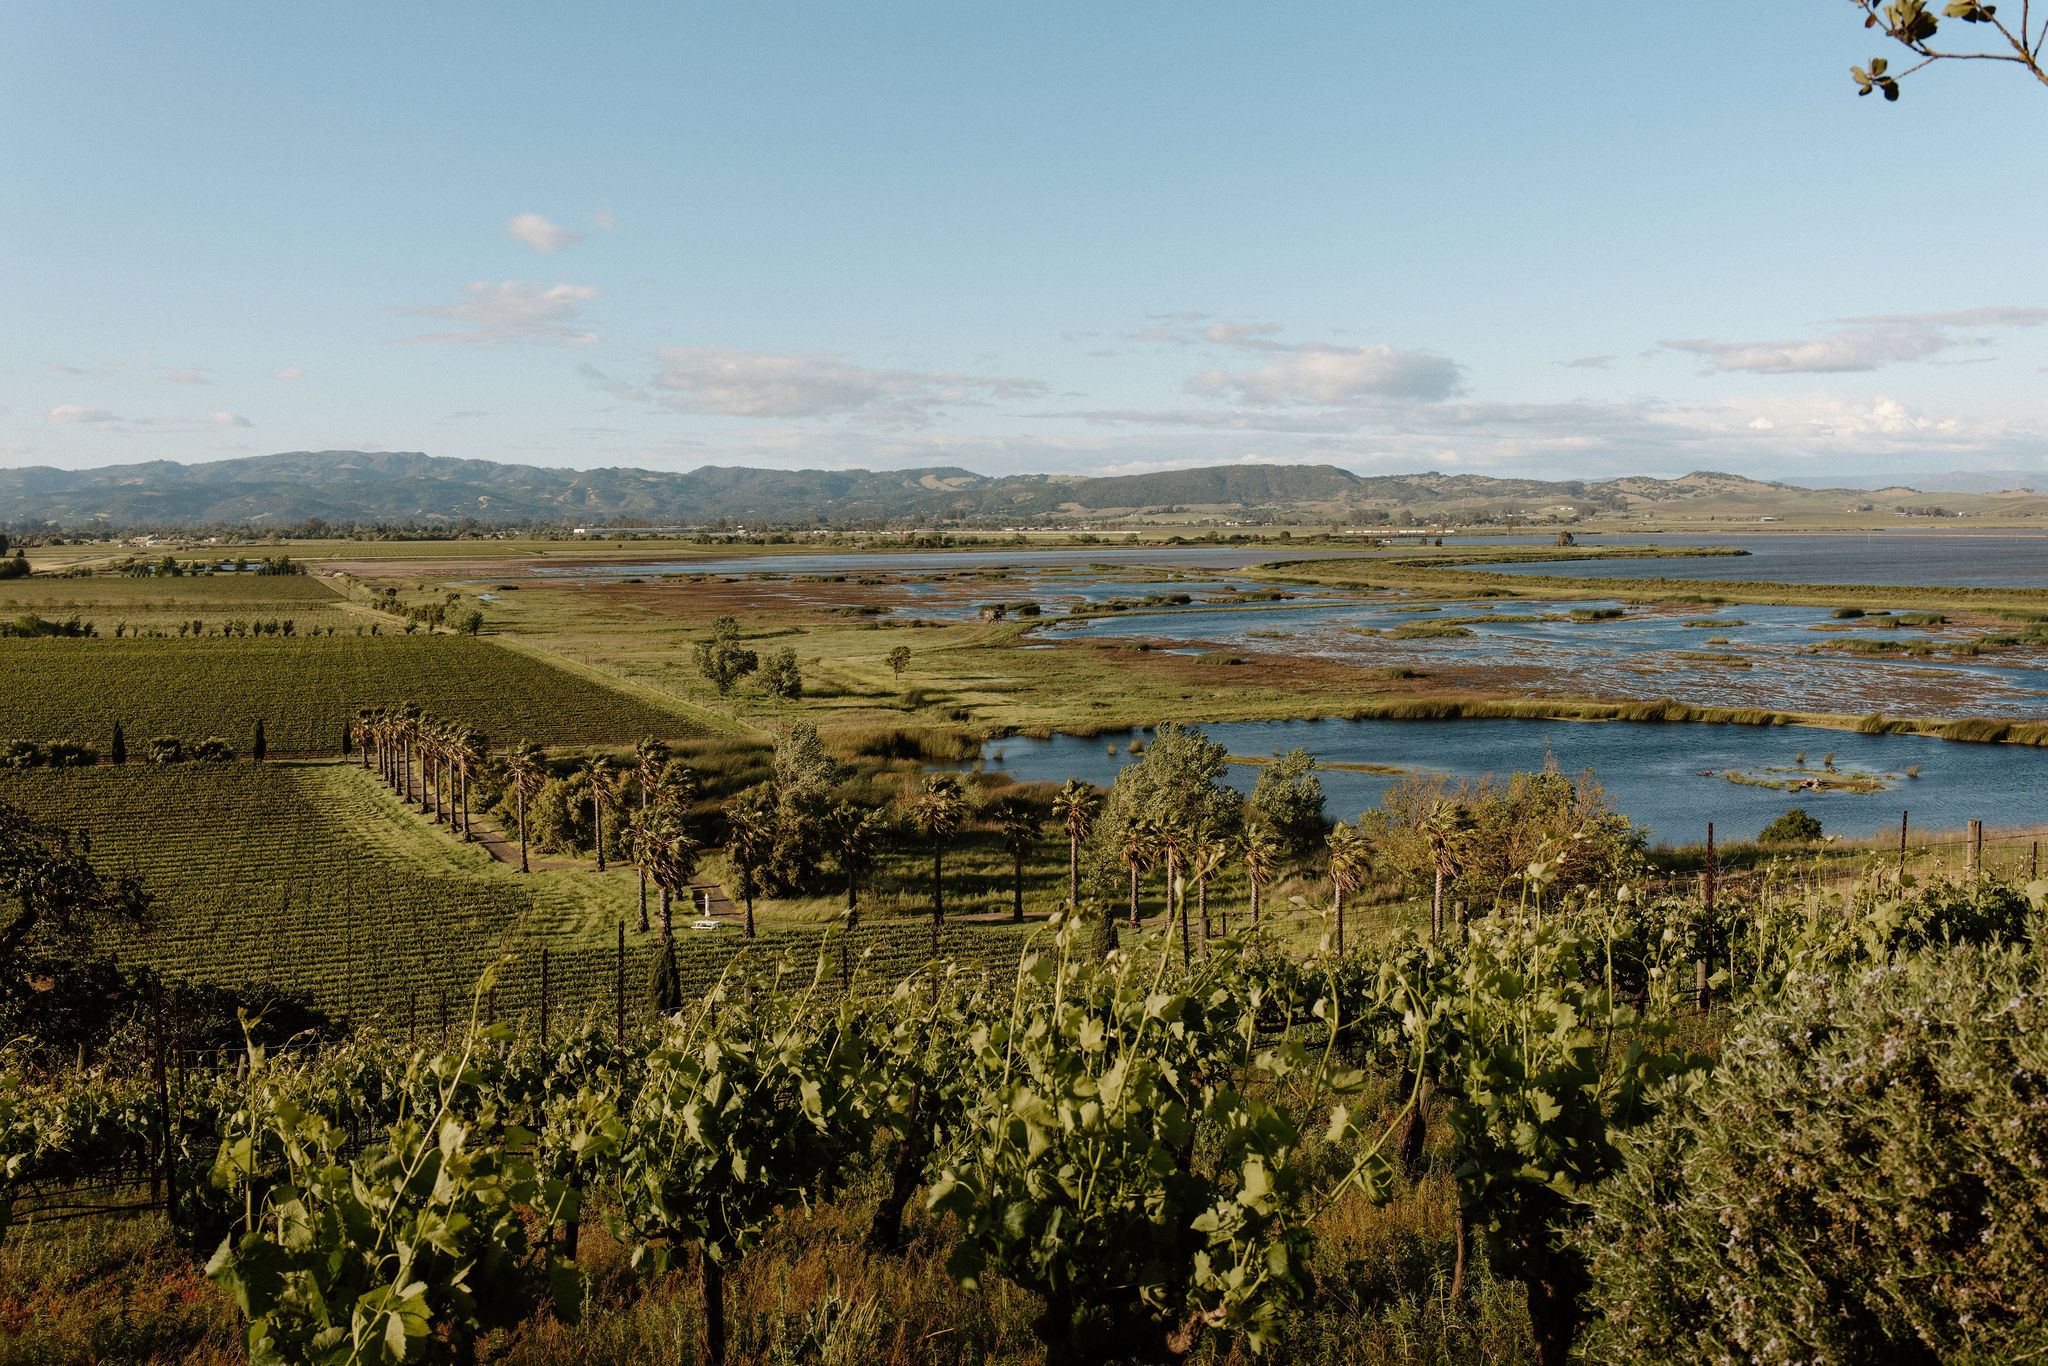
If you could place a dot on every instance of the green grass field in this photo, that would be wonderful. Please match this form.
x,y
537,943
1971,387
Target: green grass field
x,y
316,879
304,688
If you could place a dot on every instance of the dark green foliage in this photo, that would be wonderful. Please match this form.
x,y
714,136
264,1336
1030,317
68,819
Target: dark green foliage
x,y
1846,613
1794,827
1863,1180
665,982
45,754
1288,800
15,568
117,752
256,745
722,659
780,676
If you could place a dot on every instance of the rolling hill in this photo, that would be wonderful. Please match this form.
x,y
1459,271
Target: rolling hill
x,y
343,487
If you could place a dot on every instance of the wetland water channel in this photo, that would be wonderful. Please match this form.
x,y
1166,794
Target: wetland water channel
x,y
1670,778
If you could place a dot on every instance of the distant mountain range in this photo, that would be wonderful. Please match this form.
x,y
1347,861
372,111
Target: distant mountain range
x,y
1955,481
342,487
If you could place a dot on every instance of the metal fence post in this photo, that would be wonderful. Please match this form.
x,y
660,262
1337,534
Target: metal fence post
x,y
620,986
1704,969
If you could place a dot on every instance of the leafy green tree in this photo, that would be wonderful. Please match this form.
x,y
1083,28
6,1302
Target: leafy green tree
x,y
898,660
1794,827
56,892
722,659
1915,26
781,677
117,752
258,745
1288,800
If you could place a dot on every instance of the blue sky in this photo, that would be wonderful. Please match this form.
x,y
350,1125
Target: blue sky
x,y
1578,240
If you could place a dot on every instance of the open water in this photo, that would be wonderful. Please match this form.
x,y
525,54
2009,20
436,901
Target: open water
x,y
1666,777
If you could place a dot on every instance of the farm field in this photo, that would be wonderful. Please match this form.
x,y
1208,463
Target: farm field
x,y
305,689
314,879
111,601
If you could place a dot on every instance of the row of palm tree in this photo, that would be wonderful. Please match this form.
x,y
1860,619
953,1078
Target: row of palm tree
x,y
424,759
432,762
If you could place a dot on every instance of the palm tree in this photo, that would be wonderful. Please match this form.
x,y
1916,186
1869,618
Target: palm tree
x,y
472,748
526,765
1445,829
937,817
1139,849
1350,858
1173,837
365,717
1075,808
1017,825
597,769
650,757
409,725
1261,854
1205,856
670,856
855,838
750,840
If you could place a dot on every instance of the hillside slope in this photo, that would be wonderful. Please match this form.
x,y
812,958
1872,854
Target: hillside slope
x,y
340,487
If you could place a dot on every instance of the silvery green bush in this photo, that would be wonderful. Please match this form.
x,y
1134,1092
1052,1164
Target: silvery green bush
x,y
1862,1179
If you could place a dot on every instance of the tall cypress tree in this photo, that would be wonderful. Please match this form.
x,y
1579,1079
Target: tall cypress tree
x,y
118,751
347,740
256,749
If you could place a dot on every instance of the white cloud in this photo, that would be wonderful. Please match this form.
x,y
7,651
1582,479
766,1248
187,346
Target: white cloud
x,y
512,311
289,372
799,385
1862,347
1999,315
1588,363
1860,344
540,234
603,219
1307,372
1315,373
91,417
102,420
183,374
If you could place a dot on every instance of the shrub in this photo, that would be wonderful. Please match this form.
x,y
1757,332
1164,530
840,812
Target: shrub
x,y
1861,1180
1846,613
1976,729
1794,827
